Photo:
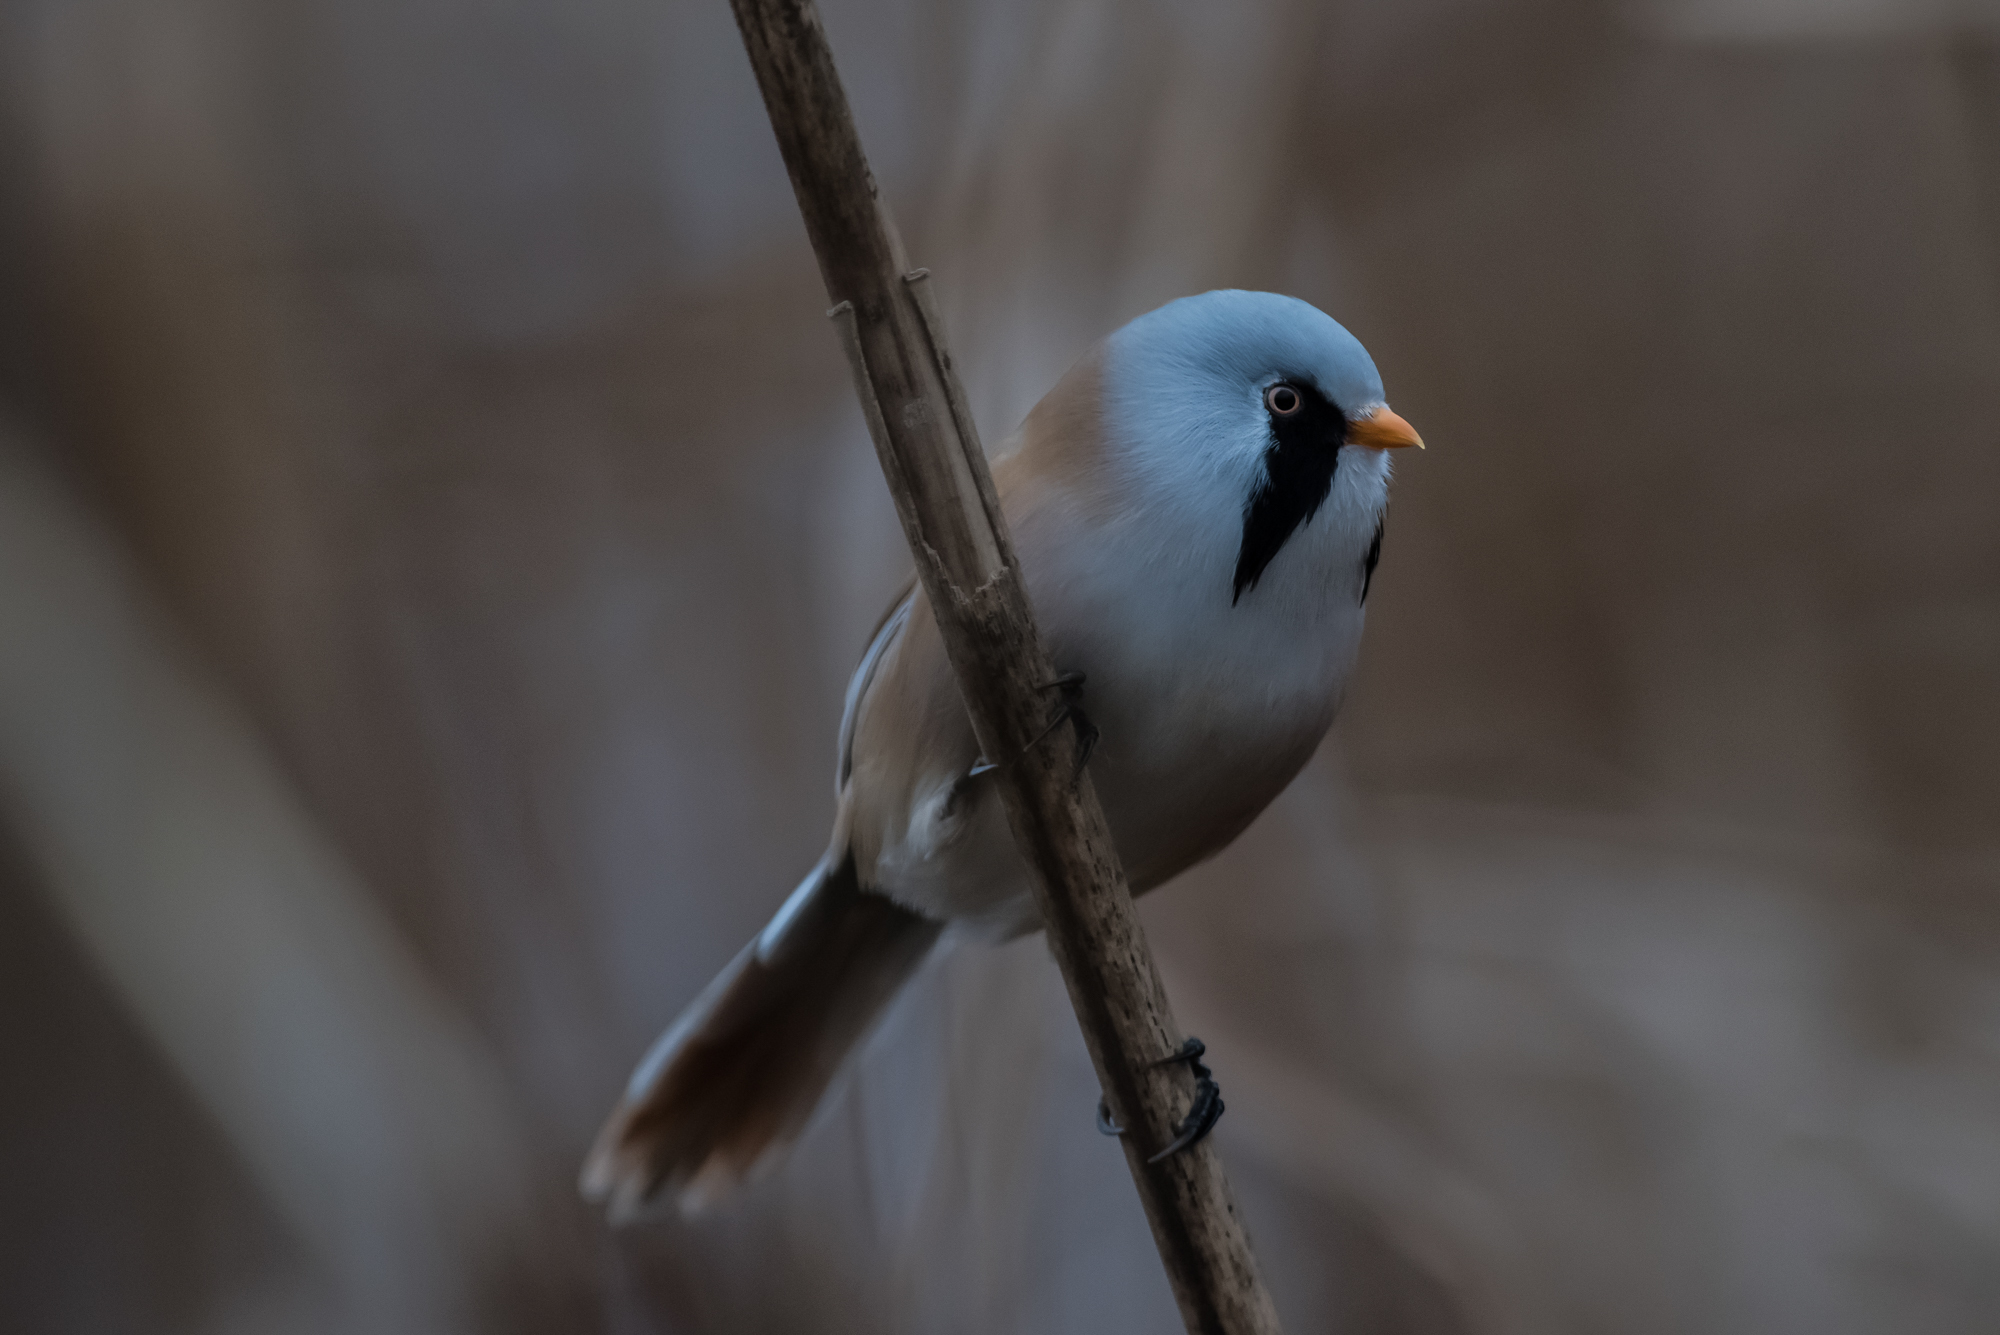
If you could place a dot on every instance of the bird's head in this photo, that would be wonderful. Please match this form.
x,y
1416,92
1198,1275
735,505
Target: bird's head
x,y
1259,402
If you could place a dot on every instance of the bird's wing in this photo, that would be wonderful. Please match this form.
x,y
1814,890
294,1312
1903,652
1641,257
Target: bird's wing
x,y
1030,471
907,746
887,631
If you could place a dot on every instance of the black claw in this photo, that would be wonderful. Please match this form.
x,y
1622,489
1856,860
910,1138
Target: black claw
x,y
1086,741
1062,717
1202,1114
1192,1051
1201,1118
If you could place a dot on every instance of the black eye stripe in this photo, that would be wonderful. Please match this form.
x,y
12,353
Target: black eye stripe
x,y
1298,475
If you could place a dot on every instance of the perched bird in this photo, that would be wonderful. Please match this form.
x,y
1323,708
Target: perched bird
x,y
1197,507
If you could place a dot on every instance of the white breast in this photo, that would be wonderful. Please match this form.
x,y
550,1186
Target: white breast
x,y
1206,708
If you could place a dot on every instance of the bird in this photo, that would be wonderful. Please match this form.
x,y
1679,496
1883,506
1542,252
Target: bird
x,y
1197,508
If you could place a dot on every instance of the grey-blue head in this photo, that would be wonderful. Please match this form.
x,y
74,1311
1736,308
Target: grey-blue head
x,y
1256,399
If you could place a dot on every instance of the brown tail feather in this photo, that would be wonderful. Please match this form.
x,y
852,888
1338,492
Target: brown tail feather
x,y
740,1072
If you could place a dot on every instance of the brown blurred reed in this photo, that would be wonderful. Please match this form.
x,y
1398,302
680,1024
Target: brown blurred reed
x,y
434,533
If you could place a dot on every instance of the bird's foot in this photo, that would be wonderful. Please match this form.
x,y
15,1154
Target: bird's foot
x,y
1070,711
1202,1114
1205,1111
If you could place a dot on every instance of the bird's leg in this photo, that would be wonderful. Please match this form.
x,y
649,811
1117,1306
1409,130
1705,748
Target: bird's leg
x,y
1202,1114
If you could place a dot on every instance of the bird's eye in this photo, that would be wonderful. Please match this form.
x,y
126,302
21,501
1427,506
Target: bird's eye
x,y
1283,400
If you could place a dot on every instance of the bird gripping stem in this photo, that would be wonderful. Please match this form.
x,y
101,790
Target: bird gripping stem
x,y
888,323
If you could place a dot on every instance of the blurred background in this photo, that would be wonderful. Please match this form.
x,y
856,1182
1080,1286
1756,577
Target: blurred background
x,y
435,531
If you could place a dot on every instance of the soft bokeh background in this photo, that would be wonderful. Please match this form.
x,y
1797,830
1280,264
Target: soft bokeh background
x,y
435,532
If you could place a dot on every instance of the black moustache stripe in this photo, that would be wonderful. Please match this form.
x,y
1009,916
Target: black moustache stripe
x,y
1298,476
1368,562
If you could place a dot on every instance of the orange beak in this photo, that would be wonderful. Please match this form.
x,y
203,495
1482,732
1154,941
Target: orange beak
x,y
1383,430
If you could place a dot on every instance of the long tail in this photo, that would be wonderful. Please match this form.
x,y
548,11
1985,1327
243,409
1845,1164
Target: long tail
x,y
740,1072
